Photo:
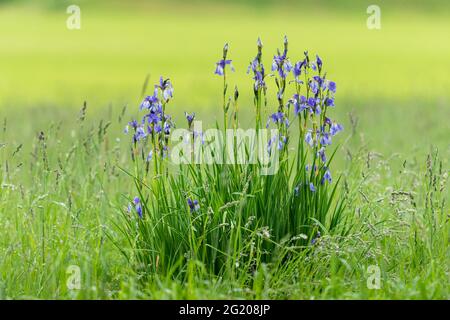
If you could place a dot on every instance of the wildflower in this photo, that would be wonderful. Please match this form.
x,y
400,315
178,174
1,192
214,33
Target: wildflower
x,y
317,109
309,139
327,176
221,64
281,142
325,138
190,118
314,86
269,144
259,79
332,86
312,102
312,187
278,118
297,70
281,63
321,154
167,127
150,102
319,63
335,128
153,117
140,134
193,205
166,88
133,124
299,102
320,82
137,206
329,102
220,67
158,128
258,69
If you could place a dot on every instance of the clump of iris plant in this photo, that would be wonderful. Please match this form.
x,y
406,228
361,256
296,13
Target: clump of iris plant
x,y
212,227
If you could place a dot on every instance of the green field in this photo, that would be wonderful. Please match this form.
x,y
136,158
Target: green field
x,y
61,196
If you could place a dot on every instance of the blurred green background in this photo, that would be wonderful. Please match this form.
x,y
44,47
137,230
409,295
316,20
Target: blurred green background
x,y
394,80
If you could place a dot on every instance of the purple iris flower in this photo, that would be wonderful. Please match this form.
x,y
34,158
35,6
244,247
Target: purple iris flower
x,y
277,118
153,117
189,117
297,70
325,139
314,86
166,87
319,62
335,128
312,187
312,102
220,66
327,176
193,205
282,65
150,102
281,142
329,102
321,154
158,128
140,133
133,124
317,109
299,103
270,143
137,206
332,86
309,139
320,81
167,127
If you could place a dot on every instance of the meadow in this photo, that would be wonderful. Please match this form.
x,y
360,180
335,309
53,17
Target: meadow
x,y
67,175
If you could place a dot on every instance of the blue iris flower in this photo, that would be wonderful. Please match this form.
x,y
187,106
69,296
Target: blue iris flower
x,y
332,86
137,206
335,128
194,206
220,66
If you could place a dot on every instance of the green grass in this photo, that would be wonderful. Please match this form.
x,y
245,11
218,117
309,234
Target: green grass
x,y
61,198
